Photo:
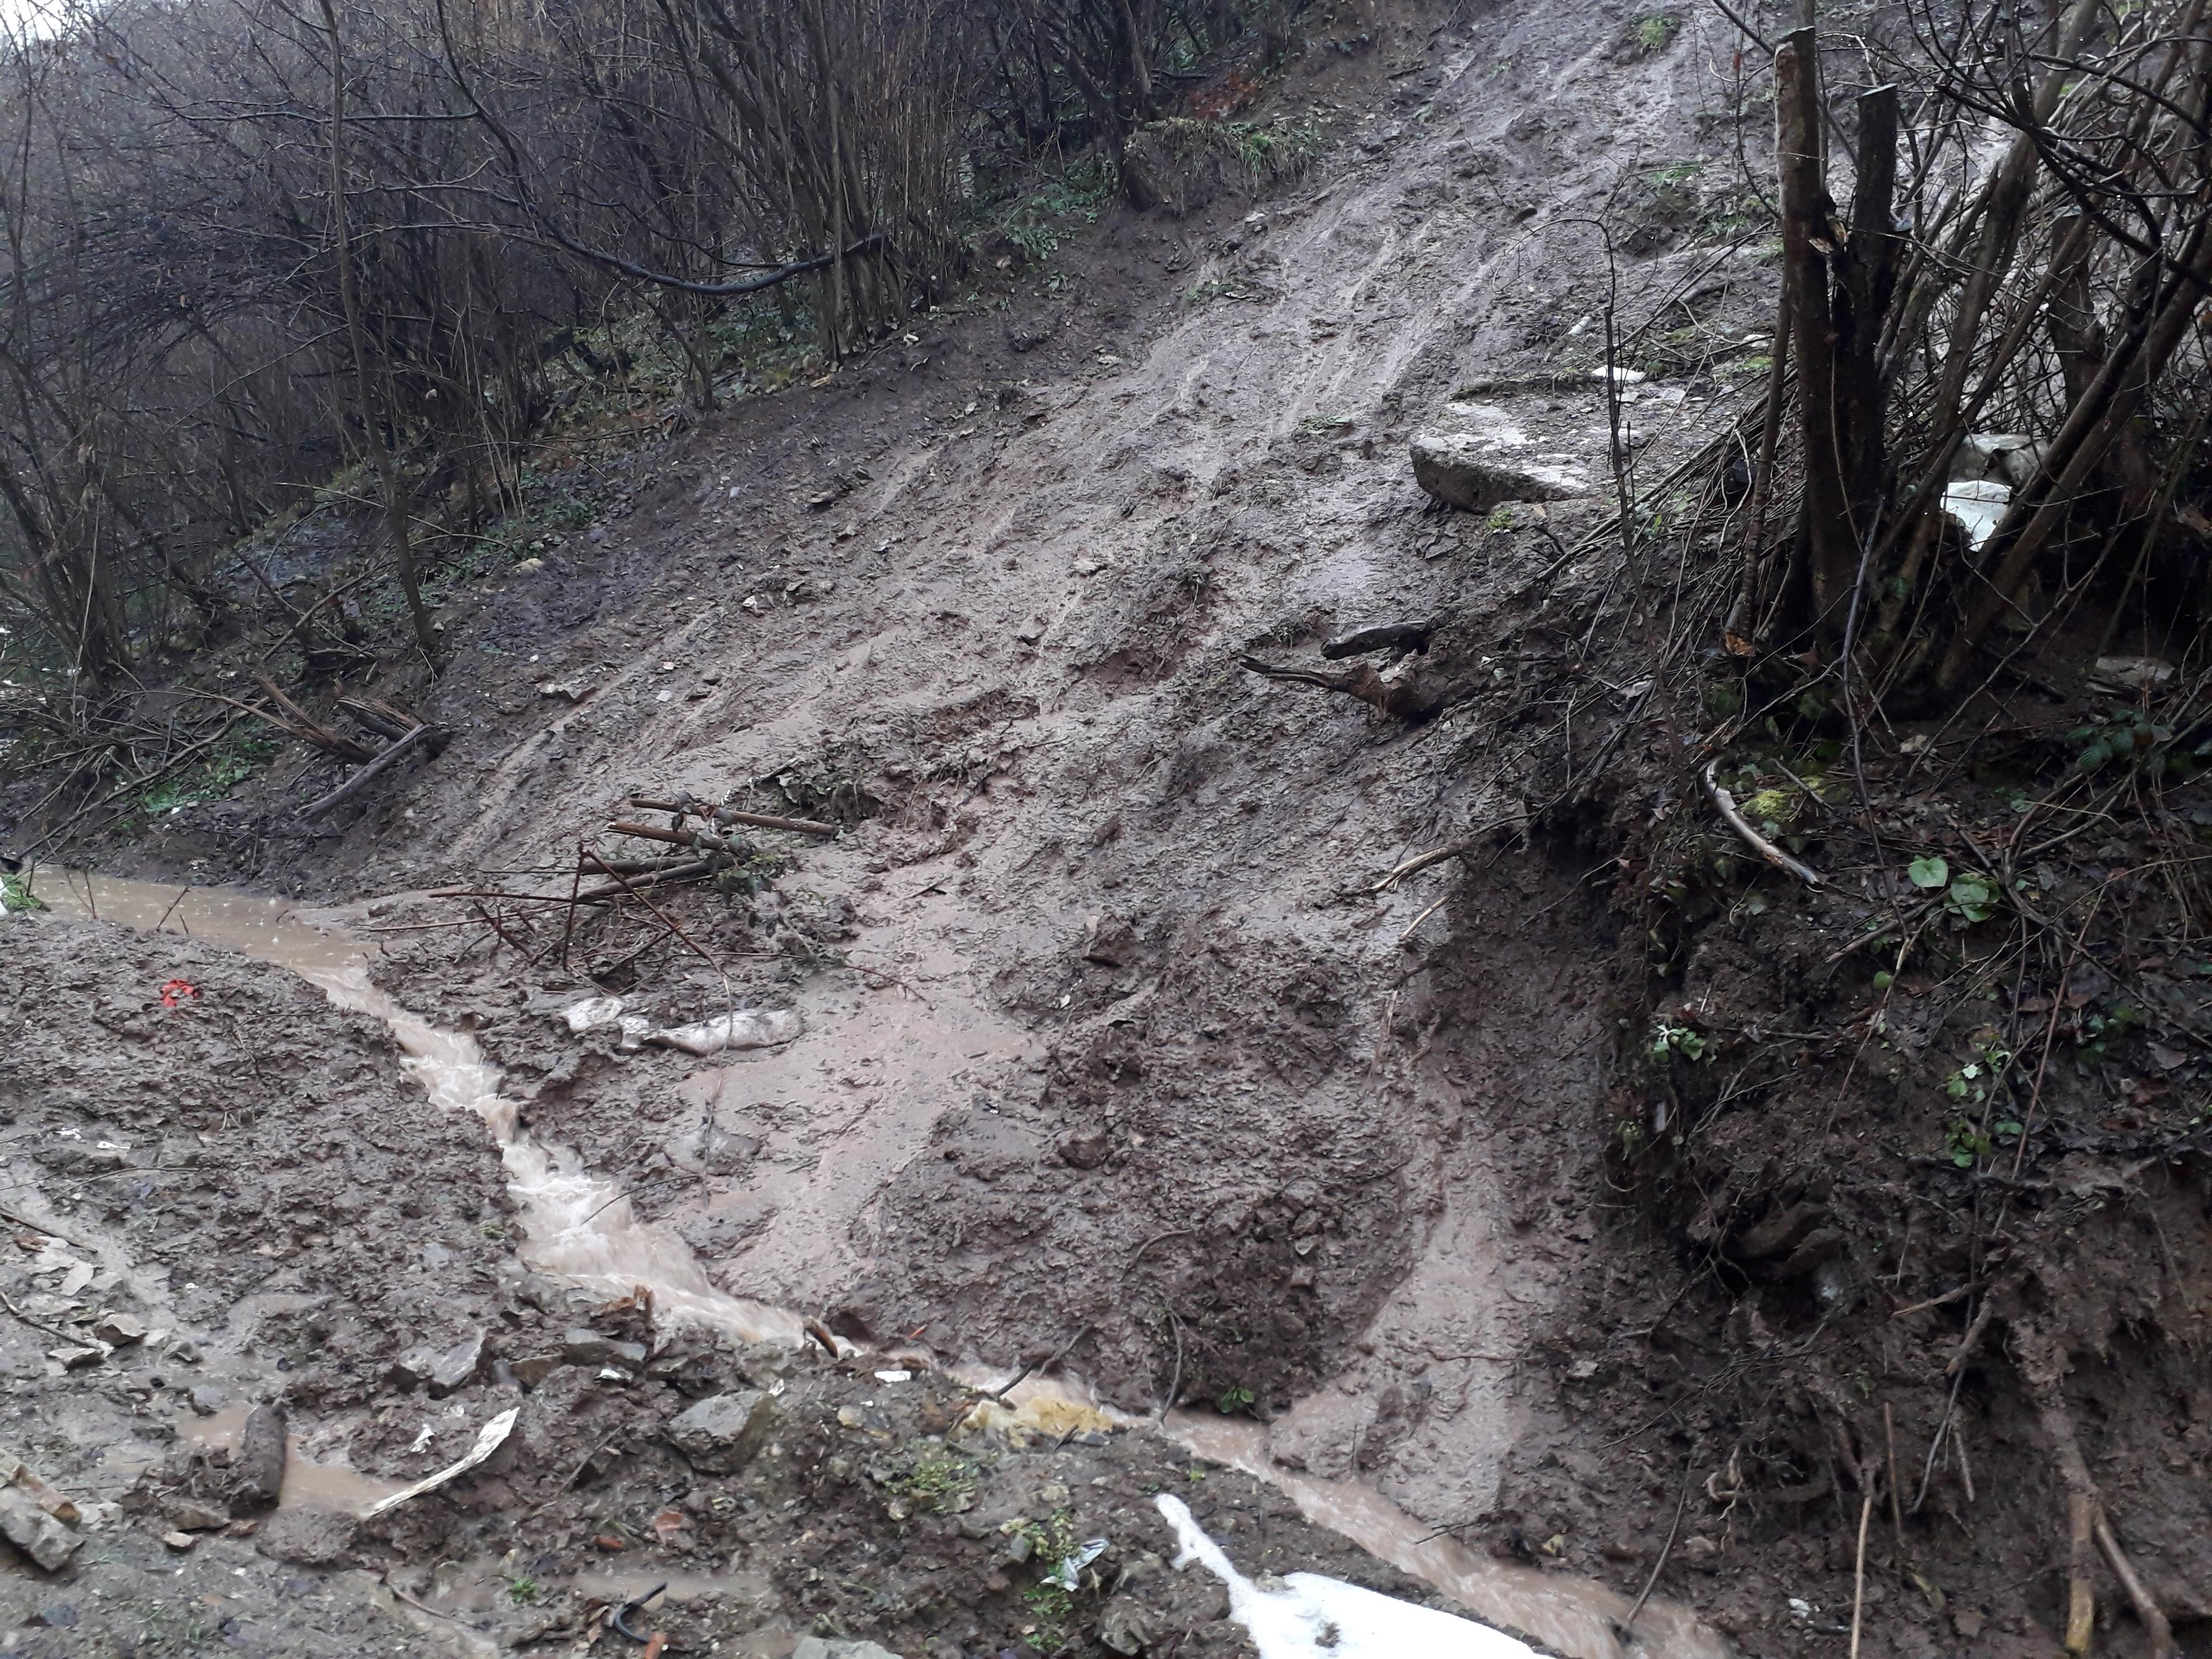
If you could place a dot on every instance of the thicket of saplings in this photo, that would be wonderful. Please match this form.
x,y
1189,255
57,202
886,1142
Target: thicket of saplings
x,y
253,249
1986,421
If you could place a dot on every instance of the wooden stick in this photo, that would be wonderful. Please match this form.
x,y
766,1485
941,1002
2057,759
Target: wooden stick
x,y
2081,1594
700,839
1859,1577
40,1227
1758,844
353,785
1415,864
2154,1621
1665,1550
493,923
698,808
636,884
1896,1514
666,919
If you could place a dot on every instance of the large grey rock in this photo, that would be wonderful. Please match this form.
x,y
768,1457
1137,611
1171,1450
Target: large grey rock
x,y
1478,471
719,1435
815,1647
441,1370
35,1533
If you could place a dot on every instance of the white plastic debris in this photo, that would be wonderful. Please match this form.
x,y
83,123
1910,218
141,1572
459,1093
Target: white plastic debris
x,y
1069,1573
894,1376
592,1013
747,1028
1976,505
1315,1617
2133,673
490,1439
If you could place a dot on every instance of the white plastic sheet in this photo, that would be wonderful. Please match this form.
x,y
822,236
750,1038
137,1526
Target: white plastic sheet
x,y
1315,1617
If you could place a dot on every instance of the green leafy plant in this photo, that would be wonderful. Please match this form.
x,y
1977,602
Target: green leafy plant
x,y
1969,898
1233,1398
941,1481
1964,1143
523,1590
15,897
1653,31
1670,1041
2130,740
2097,1031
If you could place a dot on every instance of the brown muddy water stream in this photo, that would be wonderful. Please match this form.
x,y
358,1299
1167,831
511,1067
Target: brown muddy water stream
x,y
580,1228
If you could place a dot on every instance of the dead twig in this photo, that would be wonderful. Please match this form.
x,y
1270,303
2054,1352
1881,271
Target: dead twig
x,y
1414,865
1040,1366
1758,844
2155,1624
697,808
1665,1550
1858,1574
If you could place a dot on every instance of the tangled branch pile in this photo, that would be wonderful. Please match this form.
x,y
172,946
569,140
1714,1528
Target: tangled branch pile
x,y
1999,375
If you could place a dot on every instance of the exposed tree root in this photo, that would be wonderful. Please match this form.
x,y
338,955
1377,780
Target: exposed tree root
x,y
2043,1367
1410,697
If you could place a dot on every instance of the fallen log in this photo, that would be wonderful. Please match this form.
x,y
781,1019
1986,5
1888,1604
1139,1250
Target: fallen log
x,y
353,785
699,809
1411,698
292,719
1399,637
704,841
689,871
258,1469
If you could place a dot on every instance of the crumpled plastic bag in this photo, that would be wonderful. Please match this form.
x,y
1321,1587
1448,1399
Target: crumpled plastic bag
x,y
746,1028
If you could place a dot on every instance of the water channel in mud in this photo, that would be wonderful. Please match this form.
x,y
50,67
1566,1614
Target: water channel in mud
x,y
580,1229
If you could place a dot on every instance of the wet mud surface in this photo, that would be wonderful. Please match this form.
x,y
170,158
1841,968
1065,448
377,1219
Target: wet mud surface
x,y
1118,1057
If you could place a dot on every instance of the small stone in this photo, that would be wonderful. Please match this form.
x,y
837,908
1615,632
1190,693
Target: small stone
x,y
1112,942
208,1400
307,1538
179,1542
720,1434
581,1346
191,1515
77,1358
184,1353
1122,1628
119,1329
815,1647
35,1533
531,1370
441,1370
258,1465
1086,1149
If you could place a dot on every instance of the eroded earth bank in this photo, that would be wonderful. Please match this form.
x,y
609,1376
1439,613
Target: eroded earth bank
x,y
1118,1065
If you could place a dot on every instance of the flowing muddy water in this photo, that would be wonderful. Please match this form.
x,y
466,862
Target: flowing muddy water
x,y
576,1226
580,1228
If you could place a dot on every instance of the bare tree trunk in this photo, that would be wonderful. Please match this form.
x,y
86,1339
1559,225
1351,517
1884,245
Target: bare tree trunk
x,y
372,406
1807,219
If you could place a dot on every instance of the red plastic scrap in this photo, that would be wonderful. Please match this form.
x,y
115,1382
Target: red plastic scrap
x,y
176,990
